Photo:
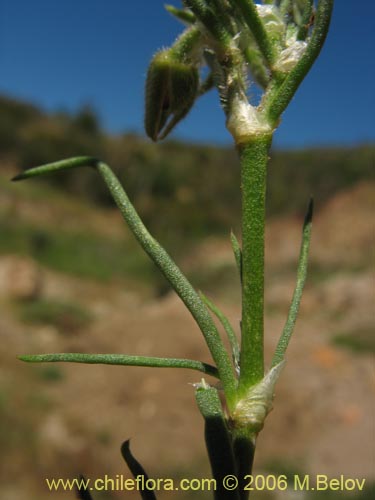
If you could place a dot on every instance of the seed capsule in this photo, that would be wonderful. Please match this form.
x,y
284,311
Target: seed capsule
x,y
171,89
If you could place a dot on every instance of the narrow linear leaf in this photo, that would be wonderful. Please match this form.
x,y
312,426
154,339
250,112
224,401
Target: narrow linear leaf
x,y
184,15
82,492
177,279
296,300
51,168
218,440
227,327
162,260
136,469
283,95
121,359
237,252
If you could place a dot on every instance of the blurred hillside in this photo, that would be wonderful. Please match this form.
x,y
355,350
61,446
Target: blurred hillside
x,y
175,186
72,279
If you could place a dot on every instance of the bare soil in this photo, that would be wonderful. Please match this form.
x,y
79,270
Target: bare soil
x,y
323,420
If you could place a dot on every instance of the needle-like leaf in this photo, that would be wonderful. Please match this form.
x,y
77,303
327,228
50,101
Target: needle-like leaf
x,y
50,168
227,327
121,359
237,252
296,300
282,96
136,469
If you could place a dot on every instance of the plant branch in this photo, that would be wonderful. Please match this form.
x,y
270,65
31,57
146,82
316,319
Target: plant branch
x,y
183,15
210,20
306,18
162,260
255,25
218,441
121,359
296,300
281,97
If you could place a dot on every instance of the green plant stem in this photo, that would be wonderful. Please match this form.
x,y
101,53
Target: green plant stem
x,y
254,159
218,441
179,282
136,469
183,15
280,96
237,252
306,17
257,67
121,359
244,451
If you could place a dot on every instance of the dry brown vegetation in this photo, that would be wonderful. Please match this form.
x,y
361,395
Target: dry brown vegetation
x,y
60,420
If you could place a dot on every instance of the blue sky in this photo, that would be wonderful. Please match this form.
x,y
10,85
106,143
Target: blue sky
x,y
64,54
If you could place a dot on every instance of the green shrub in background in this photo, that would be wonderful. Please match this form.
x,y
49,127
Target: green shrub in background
x,y
183,197
66,317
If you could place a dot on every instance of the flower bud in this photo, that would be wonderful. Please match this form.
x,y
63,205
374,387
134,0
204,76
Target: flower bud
x,y
273,21
171,88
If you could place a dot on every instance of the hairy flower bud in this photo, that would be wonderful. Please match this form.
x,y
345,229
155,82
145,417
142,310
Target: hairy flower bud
x,y
171,88
272,20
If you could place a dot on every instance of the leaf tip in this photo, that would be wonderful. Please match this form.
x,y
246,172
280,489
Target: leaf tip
x,y
125,447
28,358
309,213
18,177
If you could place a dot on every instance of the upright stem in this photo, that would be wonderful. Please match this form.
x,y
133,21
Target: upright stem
x,y
254,159
244,450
